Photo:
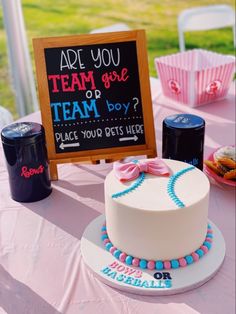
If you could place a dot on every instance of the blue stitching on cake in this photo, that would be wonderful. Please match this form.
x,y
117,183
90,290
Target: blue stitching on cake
x,y
171,186
133,187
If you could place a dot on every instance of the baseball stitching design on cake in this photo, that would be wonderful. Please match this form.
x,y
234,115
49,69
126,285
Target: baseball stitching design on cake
x,y
156,213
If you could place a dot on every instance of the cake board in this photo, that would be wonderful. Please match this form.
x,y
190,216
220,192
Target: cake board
x,y
135,280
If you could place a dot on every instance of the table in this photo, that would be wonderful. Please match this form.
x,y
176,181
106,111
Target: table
x,y
41,268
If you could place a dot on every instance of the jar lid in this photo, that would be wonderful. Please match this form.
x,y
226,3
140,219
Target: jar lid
x,y
23,133
184,123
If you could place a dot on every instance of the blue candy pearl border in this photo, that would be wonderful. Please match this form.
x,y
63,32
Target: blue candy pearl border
x,y
159,265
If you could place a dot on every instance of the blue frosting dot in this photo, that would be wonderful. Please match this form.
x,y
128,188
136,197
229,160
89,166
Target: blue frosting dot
x,y
200,253
104,236
174,263
207,244
108,246
209,235
117,253
179,203
143,264
129,260
104,228
189,259
209,226
159,265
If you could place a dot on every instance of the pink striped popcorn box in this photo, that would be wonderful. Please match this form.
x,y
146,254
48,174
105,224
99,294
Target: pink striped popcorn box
x,y
195,77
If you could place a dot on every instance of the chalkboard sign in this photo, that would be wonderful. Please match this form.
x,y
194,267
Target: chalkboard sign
x,y
95,96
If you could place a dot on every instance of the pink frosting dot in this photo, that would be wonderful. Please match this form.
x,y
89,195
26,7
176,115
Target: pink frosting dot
x,y
204,248
122,257
135,261
112,249
104,232
182,262
209,231
167,265
151,265
208,240
195,256
105,241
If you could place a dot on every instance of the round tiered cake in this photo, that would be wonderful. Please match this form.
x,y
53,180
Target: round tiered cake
x,y
154,215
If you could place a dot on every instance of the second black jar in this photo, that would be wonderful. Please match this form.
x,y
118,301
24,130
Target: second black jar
x,y
183,139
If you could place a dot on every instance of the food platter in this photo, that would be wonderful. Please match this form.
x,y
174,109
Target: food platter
x,y
212,175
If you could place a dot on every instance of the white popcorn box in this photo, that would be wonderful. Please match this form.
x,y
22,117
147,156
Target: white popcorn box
x,y
195,77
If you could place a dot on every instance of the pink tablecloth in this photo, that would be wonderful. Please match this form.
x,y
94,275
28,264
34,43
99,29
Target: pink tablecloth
x,y
41,268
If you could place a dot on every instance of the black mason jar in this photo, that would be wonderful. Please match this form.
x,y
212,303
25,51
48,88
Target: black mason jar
x,y
27,164
183,139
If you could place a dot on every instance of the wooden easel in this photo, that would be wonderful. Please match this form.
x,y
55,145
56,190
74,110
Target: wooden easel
x,y
95,155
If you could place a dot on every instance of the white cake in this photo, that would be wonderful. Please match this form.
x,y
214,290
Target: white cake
x,y
158,220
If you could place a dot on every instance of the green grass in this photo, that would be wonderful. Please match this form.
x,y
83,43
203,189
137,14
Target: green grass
x,y
45,18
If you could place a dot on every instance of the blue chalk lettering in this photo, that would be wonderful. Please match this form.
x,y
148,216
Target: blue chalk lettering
x,y
76,109
110,106
91,107
126,107
117,106
55,106
66,111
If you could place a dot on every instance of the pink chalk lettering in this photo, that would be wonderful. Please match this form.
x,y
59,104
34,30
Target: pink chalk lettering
x,y
113,76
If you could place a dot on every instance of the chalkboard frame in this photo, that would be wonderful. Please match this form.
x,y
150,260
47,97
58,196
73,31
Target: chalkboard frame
x,y
109,154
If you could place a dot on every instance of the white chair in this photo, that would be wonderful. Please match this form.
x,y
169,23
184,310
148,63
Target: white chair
x,y
205,18
112,28
5,117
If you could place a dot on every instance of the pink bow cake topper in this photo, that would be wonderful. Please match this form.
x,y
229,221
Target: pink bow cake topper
x,y
131,170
